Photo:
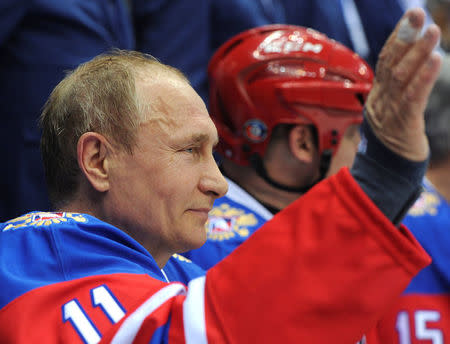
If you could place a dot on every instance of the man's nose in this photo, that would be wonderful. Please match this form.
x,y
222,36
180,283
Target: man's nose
x,y
213,180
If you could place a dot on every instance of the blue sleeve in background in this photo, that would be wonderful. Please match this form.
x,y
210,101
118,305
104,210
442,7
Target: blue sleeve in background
x,y
40,40
11,13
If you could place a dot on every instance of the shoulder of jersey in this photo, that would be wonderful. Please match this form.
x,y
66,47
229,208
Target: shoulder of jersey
x,y
42,220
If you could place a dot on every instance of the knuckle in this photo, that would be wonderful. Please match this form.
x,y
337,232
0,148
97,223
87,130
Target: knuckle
x,y
398,75
410,94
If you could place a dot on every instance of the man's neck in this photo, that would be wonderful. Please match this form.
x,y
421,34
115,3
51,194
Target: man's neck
x,y
266,194
104,213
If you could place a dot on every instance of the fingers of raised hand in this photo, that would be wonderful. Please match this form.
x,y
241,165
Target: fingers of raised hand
x,y
418,55
404,55
400,41
420,85
406,72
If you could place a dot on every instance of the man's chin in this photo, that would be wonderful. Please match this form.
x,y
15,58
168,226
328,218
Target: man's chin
x,y
194,242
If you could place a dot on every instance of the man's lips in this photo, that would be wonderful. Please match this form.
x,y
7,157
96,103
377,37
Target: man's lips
x,y
203,212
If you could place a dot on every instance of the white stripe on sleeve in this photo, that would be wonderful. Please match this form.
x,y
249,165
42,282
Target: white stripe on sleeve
x,y
194,312
130,327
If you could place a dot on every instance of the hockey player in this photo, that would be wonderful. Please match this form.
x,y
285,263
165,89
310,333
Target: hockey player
x,y
127,146
285,99
422,314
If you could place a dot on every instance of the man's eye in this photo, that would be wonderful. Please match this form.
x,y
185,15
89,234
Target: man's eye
x,y
192,150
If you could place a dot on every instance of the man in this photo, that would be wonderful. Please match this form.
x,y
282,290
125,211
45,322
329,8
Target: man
x,y
128,146
285,99
42,39
422,314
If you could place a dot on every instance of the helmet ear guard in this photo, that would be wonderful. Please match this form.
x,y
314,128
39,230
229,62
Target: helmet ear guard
x,y
284,74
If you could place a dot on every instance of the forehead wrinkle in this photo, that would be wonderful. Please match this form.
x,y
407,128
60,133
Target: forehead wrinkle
x,y
155,106
158,113
166,123
165,115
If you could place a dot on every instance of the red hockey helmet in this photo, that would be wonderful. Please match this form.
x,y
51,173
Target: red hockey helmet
x,y
287,74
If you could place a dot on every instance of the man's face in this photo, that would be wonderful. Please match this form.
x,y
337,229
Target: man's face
x,y
161,193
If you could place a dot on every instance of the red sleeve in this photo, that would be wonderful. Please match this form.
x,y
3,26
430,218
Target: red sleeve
x,y
321,271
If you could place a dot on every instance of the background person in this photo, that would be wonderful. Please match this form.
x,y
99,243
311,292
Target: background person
x,y
285,99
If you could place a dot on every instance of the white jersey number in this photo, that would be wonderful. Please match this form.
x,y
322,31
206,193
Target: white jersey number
x,y
422,332
101,297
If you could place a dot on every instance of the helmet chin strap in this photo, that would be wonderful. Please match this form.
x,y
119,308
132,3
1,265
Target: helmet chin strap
x,y
258,165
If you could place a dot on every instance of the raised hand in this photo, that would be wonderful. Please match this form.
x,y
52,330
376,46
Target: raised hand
x,y
405,74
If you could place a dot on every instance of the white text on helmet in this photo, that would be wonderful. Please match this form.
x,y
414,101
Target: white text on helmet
x,y
279,43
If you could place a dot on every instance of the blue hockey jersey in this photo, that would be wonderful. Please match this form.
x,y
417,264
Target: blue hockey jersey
x,y
83,244
422,314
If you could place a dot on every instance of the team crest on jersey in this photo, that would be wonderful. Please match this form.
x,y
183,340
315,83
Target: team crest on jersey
x,y
181,258
42,219
46,216
426,204
226,222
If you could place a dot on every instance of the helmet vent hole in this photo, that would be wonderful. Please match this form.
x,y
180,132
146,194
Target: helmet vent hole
x,y
360,98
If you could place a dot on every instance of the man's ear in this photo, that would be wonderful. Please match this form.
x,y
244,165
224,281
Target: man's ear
x,y
92,152
301,143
